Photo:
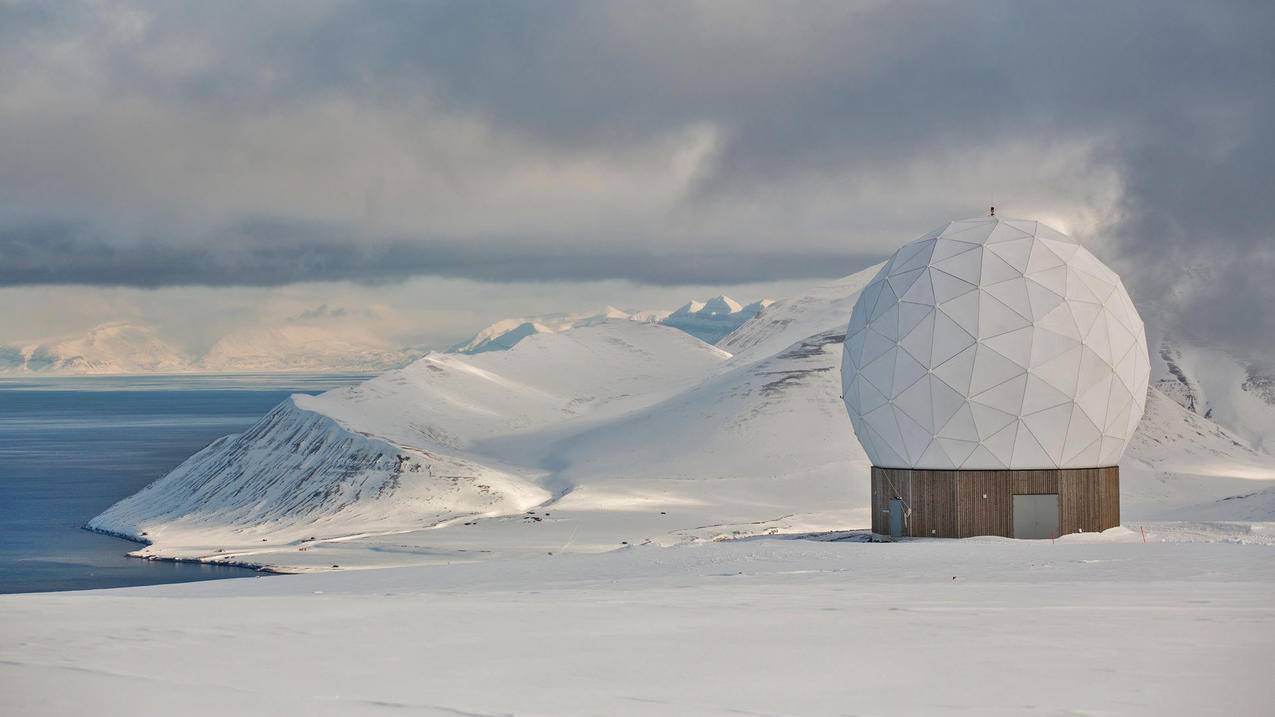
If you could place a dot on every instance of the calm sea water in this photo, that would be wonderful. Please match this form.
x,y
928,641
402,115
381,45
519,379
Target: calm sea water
x,y
70,447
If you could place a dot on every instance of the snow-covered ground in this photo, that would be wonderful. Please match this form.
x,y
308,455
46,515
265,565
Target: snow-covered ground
x,y
619,518
1104,625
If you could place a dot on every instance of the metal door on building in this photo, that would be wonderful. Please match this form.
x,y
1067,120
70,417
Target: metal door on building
x,y
896,518
1036,516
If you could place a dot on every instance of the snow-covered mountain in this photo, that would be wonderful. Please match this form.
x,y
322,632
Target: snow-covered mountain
x,y
505,334
708,321
116,347
1217,385
124,348
584,438
712,320
302,347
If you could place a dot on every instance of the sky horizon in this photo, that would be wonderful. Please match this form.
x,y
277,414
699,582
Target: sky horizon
x,y
427,168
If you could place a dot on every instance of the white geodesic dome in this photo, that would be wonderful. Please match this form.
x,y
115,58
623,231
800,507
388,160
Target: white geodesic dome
x,y
994,343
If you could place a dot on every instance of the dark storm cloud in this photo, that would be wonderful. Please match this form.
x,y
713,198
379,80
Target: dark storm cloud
x,y
269,254
1175,98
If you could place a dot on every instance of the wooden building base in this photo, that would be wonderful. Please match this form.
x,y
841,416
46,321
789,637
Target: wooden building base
x,y
964,503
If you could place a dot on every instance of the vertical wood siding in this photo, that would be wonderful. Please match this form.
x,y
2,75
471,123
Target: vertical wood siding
x,y
959,504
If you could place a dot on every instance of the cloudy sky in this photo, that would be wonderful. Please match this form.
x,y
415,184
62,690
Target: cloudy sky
x,y
438,165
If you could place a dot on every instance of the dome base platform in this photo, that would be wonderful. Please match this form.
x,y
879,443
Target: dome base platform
x,y
1037,503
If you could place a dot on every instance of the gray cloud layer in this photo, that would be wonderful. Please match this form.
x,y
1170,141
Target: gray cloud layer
x,y
162,144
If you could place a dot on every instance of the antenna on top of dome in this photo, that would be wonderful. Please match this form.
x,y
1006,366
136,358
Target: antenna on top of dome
x,y
991,211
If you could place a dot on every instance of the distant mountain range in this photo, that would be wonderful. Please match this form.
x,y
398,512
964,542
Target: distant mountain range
x,y
709,321
124,348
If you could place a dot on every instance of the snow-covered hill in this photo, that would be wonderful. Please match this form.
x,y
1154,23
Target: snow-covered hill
x,y
587,438
505,334
111,348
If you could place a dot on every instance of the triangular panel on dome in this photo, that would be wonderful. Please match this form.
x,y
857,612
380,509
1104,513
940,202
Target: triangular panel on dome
x,y
1040,299
907,371
1016,252
934,457
1012,293
880,373
915,402
885,302
1014,345
1026,226
994,317
1093,400
1100,287
1111,450
902,281
1006,396
964,311
948,287
919,259
958,451
1081,433
887,323
911,315
949,339
915,437
966,266
971,230
1049,427
1028,453
919,342
854,347
1098,338
870,397
1048,345
882,422
921,291
1042,258
1039,396
1062,371
1078,290
944,401
961,425
988,420
947,248
1061,321
1005,232
1084,314
1054,279
1120,338
958,370
874,346
1001,444
995,269
991,369
869,296
982,459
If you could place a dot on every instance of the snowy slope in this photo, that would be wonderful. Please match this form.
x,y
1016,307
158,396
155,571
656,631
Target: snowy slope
x,y
1216,384
787,321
